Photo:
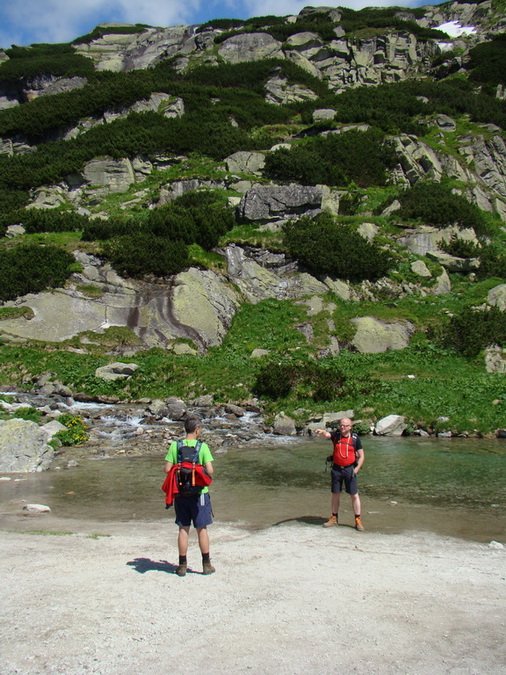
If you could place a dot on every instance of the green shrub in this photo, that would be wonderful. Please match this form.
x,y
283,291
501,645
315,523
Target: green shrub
x,y
487,61
318,380
324,247
471,331
31,269
142,254
492,262
275,380
50,220
59,60
359,157
435,204
461,248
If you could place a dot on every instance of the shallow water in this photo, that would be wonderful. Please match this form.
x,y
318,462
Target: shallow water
x,y
452,487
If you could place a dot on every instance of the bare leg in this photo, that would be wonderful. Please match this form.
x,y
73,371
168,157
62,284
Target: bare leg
x,y
355,501
335,501
203,536
182,540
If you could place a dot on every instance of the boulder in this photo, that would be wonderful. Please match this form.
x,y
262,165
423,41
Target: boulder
x,y
259,353
495,359
497,297
116,371
116,175
374,336
23,447
280,203
245,162
280,91
176,408
157,409
419,268
452,263
283,425
322,114
250,47
392,425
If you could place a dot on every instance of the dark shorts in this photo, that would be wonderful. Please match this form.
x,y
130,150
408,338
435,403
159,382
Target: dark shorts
x,y
346,475
195,509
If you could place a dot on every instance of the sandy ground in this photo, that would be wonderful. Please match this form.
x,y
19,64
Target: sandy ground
x,y
294,598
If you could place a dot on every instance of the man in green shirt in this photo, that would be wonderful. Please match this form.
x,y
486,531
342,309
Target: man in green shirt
x,y
195,508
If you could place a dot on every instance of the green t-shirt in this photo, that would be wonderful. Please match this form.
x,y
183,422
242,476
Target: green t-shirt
x,y
204,454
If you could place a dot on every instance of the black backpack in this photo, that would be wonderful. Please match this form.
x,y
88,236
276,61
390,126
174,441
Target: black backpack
x,y
184,475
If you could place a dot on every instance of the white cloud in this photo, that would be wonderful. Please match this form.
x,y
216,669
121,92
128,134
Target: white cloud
x,y
23,21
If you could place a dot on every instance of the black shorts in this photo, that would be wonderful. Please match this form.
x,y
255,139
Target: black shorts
x,y
195,509
346,475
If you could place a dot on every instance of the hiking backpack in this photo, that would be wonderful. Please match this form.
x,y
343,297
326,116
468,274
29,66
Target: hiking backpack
x,y
185,476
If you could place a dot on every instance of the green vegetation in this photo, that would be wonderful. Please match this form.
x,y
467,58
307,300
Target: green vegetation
x,y
473,330
30,269
356,157
487,61
436,204
326,247
76,431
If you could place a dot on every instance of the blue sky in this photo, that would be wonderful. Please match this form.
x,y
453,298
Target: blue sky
x,y
24,22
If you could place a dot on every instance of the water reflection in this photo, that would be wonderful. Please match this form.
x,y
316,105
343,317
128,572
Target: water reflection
x,y
406,483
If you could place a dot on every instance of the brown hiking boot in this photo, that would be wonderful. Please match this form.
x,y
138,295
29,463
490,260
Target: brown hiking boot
x,y
331,521
181,570
207,568
358,524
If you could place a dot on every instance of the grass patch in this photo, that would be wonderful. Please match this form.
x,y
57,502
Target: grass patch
x,y
7,313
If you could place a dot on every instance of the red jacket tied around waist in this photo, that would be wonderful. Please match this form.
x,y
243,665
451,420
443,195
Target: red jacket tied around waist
x,y
170,484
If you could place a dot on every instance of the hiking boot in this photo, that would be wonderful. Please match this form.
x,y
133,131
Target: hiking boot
x,y
181,569
331,521
207,568
358,524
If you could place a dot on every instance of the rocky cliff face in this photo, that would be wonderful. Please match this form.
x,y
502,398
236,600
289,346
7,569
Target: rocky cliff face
x,y
198,305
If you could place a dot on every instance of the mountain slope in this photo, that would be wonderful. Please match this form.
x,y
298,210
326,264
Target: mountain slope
x,y
351,165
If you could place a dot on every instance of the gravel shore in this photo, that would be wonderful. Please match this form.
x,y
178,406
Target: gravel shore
x,y
294,598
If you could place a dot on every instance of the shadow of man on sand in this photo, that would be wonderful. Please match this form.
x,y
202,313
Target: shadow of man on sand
x,y
309,520
143,565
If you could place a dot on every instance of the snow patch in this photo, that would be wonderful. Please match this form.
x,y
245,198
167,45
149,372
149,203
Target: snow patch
x,y
454,29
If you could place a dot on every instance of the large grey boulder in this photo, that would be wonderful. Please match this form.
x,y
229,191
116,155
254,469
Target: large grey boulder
x,y
245,162
116,371
23,447
392,425
284,425
55,85
113,175
176,408
250,47
280,203
374,336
